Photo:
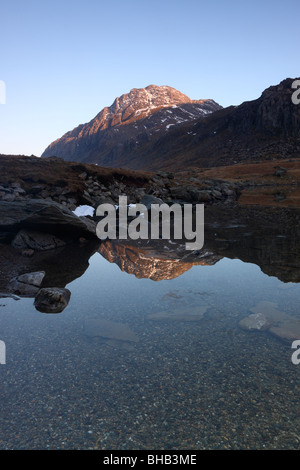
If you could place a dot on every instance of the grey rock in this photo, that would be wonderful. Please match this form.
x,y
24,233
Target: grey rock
x,y
216,194
28,284
52,299
19,191
46,216
228,192
87,199
255,321
34,278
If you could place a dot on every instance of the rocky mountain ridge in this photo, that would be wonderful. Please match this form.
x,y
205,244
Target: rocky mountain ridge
x,y
178,137
267,128
130,122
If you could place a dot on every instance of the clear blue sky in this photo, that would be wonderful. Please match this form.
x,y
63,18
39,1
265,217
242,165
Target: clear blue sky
x,y
63,61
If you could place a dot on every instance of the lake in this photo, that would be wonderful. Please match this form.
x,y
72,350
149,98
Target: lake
x,y
150,352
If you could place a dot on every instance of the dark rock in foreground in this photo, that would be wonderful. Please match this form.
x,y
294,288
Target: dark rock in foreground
x,y
52,299
28,284
44,216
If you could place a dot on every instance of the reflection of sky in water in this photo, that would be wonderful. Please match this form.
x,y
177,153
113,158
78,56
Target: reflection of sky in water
x,y
226,280
195,377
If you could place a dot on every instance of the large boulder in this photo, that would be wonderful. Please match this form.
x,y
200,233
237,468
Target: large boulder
x,y
52,299
28,284
44,216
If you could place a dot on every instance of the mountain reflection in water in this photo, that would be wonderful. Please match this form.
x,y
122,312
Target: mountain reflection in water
x,y
252,237
177,364
269,239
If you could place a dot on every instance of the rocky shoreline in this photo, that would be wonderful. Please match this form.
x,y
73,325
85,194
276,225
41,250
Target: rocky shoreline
x,y
38,221
39,215
94,192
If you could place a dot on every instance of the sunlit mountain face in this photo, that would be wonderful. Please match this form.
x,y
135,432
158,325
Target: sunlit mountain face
x,y
132,121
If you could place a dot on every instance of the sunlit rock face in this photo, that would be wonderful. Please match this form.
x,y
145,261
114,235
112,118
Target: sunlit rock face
x,y
159,128
157,261
130,122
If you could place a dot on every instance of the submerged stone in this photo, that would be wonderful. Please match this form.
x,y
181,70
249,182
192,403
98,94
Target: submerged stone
x,y
266,316
109,330
255,321
288,330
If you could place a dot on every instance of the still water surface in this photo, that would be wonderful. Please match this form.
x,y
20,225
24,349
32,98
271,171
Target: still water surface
x,y
175,370
136,363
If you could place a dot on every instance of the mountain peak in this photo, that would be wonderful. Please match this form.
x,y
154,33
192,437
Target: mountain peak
x,y
141,111
140,103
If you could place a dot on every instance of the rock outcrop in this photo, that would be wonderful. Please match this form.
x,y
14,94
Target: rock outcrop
x,y
52,299
42,216
28,284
